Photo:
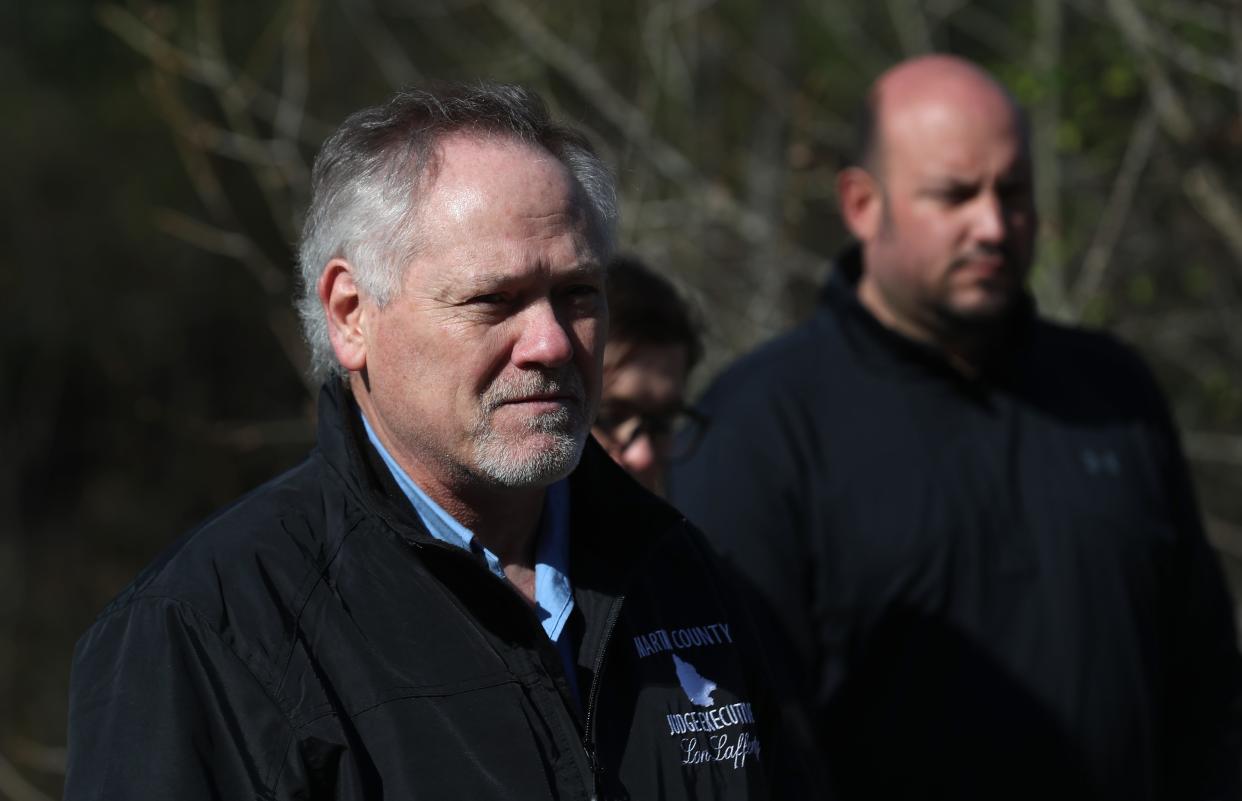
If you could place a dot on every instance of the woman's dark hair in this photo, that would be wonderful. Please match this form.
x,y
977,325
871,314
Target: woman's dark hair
x,y
644,308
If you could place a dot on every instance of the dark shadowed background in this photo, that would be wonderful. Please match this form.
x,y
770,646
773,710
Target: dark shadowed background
x,y
156,166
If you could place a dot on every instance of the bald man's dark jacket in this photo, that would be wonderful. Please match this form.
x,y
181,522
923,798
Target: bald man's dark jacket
x,y
990,588
313,641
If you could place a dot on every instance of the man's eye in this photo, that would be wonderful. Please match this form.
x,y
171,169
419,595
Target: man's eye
x,y
611,416
488,299
660,426
582,299
957,194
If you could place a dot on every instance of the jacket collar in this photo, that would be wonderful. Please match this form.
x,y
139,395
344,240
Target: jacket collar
x,y
613,520
344,445
882,348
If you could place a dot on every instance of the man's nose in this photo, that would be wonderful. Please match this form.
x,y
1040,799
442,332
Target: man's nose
x,y
543,339
989,223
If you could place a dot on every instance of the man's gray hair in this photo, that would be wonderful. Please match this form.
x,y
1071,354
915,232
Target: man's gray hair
x,y
367,178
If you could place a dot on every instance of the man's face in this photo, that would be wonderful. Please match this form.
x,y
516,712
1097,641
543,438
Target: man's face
x,y
486,366
644,392
957,225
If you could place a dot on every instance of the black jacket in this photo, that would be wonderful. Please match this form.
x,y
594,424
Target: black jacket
x,y
996,588
313,641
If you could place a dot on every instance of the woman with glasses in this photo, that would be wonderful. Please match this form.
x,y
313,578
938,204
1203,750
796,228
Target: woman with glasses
x,y
653,344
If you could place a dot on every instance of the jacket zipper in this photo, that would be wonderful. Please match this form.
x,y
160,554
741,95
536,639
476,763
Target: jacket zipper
x,y
588,733
588,726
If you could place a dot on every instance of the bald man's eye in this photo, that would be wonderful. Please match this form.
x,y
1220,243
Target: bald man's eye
x,y
956,195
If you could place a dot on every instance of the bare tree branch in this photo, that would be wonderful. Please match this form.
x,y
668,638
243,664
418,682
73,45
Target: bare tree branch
x,y
828,126
37,756
235,104
634,124
1211,15
187,138
287,329
177,62
252,435
864,52
1173,113
1195,61
225,243
1148,35
664,50
911,26
1049,278
389,55
987,29
1185,55
15,787
276,164
1182,332
941,9
433,9
1112,221
259,154
1208,446
1235,31
1224,536
1211,195
293,90
580,71
1218,205
766,172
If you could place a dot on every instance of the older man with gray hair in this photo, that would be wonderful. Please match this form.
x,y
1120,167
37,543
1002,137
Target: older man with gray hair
x,y
457,594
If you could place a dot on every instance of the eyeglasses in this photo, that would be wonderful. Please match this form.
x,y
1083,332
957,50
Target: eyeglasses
x,y
674,433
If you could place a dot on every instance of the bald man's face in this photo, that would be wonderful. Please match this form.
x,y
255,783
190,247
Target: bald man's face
x,y
952,239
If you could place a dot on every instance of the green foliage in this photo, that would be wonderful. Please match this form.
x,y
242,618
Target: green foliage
x,y
1141,290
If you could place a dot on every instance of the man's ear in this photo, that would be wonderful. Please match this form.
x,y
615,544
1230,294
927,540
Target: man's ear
x,y
862,202
343,307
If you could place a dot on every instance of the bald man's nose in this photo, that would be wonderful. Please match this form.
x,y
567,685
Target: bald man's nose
x,y
989,221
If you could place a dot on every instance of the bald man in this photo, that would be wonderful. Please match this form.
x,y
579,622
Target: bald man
x,y
972,529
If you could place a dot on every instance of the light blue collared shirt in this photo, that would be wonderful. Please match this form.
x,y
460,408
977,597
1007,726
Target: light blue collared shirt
x,y
554,597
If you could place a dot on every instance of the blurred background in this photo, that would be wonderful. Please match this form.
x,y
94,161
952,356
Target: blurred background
x,y
158,164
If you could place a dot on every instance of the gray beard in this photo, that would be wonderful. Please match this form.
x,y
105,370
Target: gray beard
x,y
498,462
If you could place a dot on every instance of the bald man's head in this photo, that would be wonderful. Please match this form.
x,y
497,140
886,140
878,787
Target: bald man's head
x,y
925,77
940,200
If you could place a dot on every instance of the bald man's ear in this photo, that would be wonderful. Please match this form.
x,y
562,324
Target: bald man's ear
x,y
862,202
344,309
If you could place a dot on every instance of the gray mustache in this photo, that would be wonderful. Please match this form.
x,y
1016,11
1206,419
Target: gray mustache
x,y
566,380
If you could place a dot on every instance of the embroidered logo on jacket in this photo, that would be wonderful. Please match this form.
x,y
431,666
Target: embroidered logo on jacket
x,y
713,733
661,640
698,689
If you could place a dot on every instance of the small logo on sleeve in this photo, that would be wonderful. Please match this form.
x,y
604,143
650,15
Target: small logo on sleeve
x,y
1101,463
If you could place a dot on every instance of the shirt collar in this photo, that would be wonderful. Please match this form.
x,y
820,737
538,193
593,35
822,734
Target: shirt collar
x,y
554,598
